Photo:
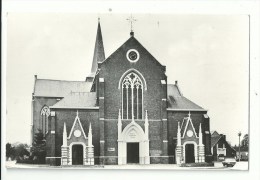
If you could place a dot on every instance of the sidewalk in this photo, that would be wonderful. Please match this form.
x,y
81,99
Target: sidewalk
x,y
217,166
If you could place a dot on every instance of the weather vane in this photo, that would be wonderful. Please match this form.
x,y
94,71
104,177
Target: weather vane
x,y
131,19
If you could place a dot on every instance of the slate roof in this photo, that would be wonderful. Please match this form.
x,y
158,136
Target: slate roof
x,y
177,101
214,140
59,88
77,100
214,133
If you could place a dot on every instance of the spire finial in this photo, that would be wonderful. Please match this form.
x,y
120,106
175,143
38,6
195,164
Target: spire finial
x,y
98,19
131,20
90,128
189,114
77,113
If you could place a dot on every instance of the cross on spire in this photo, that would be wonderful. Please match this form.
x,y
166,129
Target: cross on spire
x,y
131,20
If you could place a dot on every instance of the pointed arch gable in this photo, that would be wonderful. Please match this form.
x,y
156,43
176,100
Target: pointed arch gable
x,y
135,71
133,126
189,121
73,126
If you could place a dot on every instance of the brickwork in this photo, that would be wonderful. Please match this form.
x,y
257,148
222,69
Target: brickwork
x,y
38,103
197,117
68,116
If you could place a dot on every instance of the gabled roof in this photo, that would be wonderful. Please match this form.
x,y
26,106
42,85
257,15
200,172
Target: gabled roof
x,y
214,140
59,88
214,133
177,101
77,100
216,137
132,40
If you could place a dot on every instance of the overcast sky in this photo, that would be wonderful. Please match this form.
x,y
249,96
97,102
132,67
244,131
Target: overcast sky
x,y
207,54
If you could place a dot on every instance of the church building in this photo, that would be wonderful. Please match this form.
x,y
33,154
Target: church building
x,y
125,112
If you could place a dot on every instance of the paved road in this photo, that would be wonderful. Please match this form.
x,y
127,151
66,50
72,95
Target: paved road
x,y
217,166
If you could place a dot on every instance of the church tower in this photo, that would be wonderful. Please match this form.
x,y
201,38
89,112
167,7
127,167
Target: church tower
x,y
99,53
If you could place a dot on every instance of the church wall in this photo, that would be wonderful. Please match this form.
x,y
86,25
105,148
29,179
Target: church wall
x,y
68,116
116,65
177,116
38,103
112,70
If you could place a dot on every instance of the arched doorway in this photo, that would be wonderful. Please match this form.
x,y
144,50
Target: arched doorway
x,y
189,153
77,154
133,145
132,153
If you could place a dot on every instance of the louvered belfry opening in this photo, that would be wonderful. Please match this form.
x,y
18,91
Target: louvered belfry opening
x,y
132,97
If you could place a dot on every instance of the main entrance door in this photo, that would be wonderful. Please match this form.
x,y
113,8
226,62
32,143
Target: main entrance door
x,y
189,153
77,155
132,153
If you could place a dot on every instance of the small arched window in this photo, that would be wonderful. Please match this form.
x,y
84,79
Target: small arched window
x,y
132,97
45,113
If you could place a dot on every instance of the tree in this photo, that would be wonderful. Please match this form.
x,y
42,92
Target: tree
x,y
21,150
39,147
10,151
245,141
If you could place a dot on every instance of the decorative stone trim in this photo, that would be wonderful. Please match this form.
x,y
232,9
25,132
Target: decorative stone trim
x,y
165,141
163,82
101,97
52,157
52,132
161,156
60,107
101,119
108,156
101,80
164,99
102,141
200,110
164,119
52,113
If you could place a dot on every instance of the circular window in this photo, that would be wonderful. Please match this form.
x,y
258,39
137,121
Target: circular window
x,y
132,55
189,133
77,133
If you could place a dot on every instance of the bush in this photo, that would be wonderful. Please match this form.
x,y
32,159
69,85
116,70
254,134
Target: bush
x,y
204,164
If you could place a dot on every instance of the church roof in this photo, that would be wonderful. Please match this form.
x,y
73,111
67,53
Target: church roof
x,y
177,101
77,100
59,88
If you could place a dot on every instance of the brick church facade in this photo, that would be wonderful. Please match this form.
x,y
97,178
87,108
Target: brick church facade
x,y
124,112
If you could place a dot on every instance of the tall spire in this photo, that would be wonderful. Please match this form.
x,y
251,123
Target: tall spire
x,y
99,53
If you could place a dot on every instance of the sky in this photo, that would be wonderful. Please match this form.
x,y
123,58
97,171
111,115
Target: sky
x,y
207,54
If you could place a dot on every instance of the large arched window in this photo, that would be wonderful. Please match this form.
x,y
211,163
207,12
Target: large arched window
x,y
132,97
45,112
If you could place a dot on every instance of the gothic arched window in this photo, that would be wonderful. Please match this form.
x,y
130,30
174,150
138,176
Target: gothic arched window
x,y
45,112
132,97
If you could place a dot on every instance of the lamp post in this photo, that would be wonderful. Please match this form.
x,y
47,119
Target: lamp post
x,y
239,134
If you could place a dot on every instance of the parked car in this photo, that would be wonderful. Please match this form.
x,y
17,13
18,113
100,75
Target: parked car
x,y
229,162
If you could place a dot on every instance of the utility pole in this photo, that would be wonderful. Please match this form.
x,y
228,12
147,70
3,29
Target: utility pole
x,y
239,134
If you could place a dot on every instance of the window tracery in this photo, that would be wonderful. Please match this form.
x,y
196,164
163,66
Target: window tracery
x,y
132,97
45,113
